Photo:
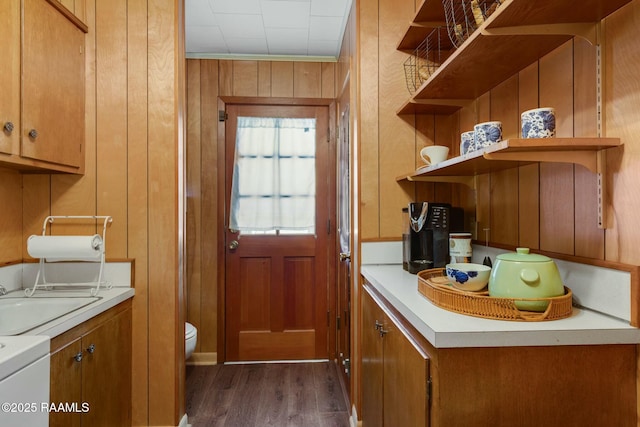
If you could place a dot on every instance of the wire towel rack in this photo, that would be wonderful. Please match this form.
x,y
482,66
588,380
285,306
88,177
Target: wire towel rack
x,y
41,281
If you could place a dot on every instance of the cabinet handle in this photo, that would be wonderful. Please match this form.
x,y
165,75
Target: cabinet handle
x,y
91,349
8,127
33,133
378,325
383,332
78,357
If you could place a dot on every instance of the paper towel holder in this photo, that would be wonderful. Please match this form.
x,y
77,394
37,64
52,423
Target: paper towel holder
x,y
94,286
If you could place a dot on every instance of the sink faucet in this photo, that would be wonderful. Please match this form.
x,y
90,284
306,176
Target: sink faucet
x,y
3,290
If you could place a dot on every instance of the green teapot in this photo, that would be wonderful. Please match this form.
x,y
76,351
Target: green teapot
x,y
525,275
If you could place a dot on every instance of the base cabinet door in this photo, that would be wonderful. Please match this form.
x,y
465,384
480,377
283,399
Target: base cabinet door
x,y
91,372
395,371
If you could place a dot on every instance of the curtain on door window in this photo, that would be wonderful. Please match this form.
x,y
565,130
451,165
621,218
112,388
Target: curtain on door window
x,y
274,179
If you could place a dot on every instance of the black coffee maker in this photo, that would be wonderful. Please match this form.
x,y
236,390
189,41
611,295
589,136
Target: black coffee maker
x,y
425,236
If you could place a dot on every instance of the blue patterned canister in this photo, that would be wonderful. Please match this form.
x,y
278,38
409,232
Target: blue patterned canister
x,y
487,133
539,123
467,144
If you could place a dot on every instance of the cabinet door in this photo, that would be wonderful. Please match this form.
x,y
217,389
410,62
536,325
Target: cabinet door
x,y
66,384
372,363
106,373
406,373
10,74
53,86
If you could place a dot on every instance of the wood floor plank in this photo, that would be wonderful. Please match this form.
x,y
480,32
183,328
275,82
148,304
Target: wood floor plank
x,y
261,395
328,389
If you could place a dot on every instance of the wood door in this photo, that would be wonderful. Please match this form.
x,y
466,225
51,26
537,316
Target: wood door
x,y
66,384
276,285
372,362
10,76
53,86
406,373
344,243
106,373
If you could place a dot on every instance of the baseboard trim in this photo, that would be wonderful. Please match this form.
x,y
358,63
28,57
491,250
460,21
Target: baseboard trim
x,y
202,359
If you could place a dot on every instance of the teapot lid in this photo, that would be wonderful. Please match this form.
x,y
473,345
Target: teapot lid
x,y
523,255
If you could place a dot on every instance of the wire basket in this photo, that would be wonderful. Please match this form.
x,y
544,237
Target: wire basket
x,y
426,58
463,17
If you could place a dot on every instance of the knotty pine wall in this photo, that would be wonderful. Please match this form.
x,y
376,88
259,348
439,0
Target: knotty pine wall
x,y
207,79
133,136
548,206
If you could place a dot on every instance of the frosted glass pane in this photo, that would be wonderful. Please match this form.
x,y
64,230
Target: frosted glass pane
x,y
274,178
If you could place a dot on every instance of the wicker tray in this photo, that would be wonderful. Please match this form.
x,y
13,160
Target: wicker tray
x,y
437,289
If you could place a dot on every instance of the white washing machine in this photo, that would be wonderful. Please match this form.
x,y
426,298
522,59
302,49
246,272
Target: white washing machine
x,y
24,381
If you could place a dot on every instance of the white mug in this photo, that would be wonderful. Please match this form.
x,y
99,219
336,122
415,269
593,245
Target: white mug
x,y
434,154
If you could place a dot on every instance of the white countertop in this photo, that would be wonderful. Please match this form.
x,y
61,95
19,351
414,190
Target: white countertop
x,y
446,329
108,298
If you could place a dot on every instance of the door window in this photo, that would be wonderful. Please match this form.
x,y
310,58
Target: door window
x,y
274,177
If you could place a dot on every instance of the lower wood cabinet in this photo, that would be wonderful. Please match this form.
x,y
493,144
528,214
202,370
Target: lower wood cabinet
x,y
395,371
91,371
408,382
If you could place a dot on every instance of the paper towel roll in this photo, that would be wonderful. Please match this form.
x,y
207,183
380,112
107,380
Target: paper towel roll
x,y
65,248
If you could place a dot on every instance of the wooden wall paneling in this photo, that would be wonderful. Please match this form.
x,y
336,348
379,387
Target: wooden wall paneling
x,y
264,78
282,79
225,77
397,137
111,112
445,131
504,184
589,239
465,197
194,195
622,102
483,182
528,176
167,341
36,205
556,179
137,197
329,80
307,79
11,241
245,78
368,117
425,135
210,185
80,9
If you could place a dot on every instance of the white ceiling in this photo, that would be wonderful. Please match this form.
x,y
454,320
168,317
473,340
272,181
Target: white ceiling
x,y
238,28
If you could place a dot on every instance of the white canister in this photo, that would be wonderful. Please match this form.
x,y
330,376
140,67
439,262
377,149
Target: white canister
x,y
467,144
539,123
460,247
487,133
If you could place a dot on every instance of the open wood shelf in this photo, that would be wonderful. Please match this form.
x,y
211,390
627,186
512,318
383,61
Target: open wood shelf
x,y
512,153
516,35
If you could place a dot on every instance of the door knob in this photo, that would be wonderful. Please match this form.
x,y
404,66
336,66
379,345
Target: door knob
x,y
234,245
345,256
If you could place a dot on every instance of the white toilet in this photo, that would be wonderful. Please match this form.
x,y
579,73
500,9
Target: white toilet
x,y
190,338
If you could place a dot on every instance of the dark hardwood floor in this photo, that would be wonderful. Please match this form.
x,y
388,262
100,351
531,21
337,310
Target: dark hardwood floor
x,y
266,394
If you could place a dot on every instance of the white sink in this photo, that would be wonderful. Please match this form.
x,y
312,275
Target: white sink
x,y
21,314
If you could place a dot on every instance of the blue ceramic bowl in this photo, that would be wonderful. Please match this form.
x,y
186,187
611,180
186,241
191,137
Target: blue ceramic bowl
x,y
468,276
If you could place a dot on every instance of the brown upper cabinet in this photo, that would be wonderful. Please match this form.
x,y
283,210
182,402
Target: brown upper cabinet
x,y
43,116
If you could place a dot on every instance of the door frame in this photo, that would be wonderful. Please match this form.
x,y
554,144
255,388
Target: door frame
x,y
223,101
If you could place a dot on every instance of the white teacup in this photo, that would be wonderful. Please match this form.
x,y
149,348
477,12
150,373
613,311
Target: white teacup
x,y
434,154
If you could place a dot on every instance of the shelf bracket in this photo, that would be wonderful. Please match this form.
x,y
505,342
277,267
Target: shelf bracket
x,y
588,159
469,181
588,30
